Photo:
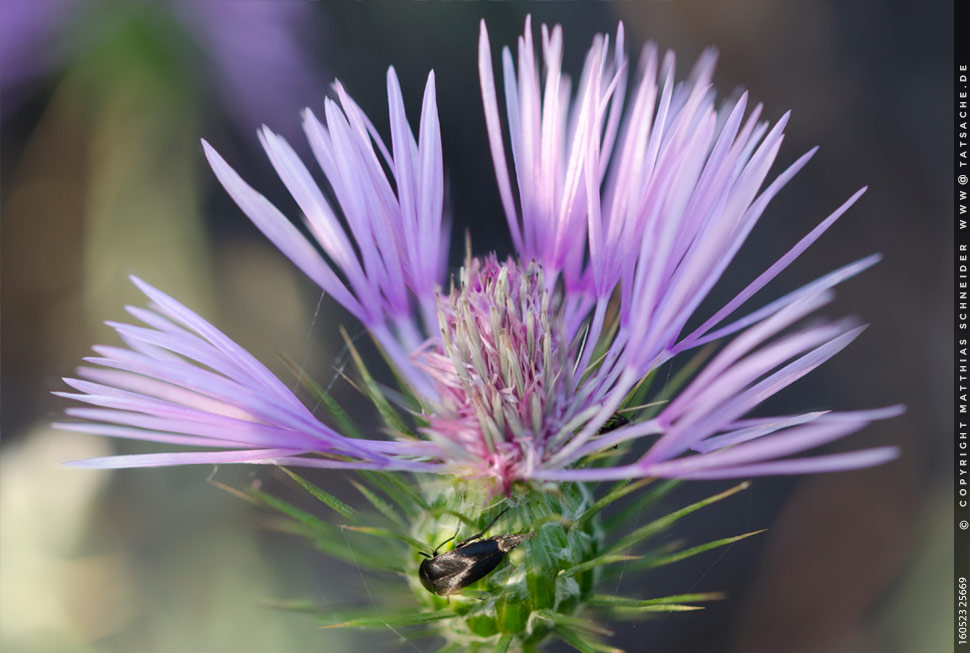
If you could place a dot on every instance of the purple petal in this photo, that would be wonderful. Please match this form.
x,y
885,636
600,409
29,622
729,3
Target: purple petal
x,y
785,443
722,403
779,265
495,142
282,233
766,427
106,430
810,465
326,228
259,456
822,283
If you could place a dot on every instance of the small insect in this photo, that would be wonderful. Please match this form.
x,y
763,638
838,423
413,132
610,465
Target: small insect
x,y
615,421
469,561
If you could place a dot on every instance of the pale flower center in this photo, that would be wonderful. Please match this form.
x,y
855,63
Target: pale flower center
x,y
502,368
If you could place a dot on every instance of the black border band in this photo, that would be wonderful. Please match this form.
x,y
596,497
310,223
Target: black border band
x,y
961,443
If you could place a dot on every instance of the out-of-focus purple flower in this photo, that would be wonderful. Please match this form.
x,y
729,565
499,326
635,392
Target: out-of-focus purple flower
x,y
623,215
260,63
258,53
27,47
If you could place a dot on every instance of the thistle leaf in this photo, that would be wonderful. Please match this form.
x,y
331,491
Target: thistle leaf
x,y
621,489
607,601
385,533
401,493
662,607
662,523
582,642
293,605
325,536
403,619
693,551
358,556
638,505
325,497
572,622
375,500
303,517
597,562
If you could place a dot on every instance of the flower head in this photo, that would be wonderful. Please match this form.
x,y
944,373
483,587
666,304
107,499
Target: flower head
x,y
623,213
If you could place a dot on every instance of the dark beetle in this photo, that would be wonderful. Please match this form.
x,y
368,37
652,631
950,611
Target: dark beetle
x,y
614,422
469,561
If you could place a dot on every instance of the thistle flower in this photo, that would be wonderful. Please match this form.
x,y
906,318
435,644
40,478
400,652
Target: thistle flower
x,y
525,379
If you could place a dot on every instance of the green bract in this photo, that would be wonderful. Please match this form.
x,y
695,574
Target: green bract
x,y
548,587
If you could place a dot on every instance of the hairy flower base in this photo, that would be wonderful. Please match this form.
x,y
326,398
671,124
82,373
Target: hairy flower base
x,y
544,588
533,580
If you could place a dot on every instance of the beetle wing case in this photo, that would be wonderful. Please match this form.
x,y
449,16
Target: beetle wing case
x,y
508,542
450,572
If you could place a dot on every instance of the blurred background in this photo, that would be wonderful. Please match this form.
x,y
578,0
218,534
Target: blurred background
x,y
102,175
